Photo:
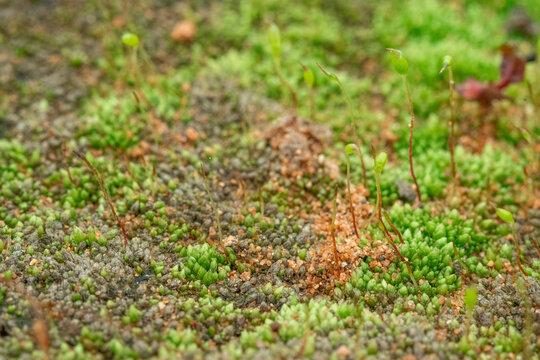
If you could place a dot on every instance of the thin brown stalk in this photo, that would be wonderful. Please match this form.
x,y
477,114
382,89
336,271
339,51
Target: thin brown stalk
x,y
529,319
514,235
294,96
104,191
333,235
364,175
452,125
387,217
66,164
261,202
383,226
355,130
531,95
244,193
351,207
130,172
216,212
353,120
411,127
535,244
311,96
394,246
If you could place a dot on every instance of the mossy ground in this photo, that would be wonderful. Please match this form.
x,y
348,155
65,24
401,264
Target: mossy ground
x,y
69,289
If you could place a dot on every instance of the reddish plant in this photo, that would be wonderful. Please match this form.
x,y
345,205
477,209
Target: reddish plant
x,y
512,70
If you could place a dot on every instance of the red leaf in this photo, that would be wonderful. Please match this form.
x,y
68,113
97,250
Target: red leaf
x,y
512,68
481,92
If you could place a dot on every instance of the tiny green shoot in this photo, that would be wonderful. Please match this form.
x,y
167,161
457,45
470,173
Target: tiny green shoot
x,y
402,67
274,39
507,217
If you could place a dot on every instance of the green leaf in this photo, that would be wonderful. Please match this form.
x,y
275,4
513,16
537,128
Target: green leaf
x,y
350,149
274,38
471,296
130,39
399,62
505,215
380,162
328,74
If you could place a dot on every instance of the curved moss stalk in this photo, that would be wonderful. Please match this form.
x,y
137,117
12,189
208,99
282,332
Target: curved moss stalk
x,y
411,127
387,217
514,236
402,67
216,213
66,163
379,163
529,319
309,79
447,64
274,38
333,235
261,203
348,150
104,191
335,78
507,217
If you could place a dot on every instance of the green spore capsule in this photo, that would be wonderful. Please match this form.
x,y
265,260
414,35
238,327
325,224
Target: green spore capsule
x,y
505,215
399,61
130,40
380,162
350,149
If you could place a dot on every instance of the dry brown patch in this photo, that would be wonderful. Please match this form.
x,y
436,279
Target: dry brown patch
x,y
322,272
299,144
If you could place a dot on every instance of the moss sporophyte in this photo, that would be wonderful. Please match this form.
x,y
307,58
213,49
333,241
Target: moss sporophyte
x,y
379,161
333,235
274,39
99,179
349,150
402,67
507,217
309,79
333,77
447,64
